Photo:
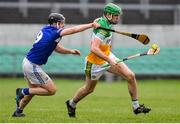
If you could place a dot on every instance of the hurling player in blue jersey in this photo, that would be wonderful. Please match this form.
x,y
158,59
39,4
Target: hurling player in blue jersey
x,y
46,42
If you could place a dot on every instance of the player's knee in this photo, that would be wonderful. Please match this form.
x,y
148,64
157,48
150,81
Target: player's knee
x,y
52,91
131,77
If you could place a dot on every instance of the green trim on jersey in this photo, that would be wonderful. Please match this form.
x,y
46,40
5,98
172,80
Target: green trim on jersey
x,y
88,69
100,33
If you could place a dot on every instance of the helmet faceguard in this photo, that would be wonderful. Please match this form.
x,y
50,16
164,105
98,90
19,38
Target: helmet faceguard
x,y
55,17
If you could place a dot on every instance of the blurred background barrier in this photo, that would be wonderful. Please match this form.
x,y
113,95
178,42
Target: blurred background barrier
x,y
159,19
166,63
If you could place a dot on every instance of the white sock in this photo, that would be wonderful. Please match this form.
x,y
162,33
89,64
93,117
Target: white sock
x,y
72,103
22,92
135,104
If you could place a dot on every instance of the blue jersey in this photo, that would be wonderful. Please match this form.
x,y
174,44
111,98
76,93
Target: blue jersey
x,y
45,43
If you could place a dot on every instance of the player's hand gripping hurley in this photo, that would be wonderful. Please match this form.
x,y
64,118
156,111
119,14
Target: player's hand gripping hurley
x,y
152,51
144,39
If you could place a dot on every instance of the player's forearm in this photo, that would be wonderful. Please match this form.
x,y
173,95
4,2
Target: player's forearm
x,y
82,27
76,29
100,54
63,50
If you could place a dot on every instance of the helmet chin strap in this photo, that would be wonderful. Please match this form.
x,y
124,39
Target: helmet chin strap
x,y
109,19
57,25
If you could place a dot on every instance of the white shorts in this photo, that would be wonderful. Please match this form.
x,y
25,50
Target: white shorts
x,y
96,71
34,73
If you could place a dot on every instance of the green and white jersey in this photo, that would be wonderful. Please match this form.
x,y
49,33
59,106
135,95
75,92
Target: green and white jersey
x,y
105,37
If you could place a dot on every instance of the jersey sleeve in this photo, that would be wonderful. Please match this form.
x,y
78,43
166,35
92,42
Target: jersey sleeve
x,y
100,33
57,33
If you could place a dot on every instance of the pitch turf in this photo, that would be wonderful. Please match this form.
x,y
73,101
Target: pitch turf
x,y
109,103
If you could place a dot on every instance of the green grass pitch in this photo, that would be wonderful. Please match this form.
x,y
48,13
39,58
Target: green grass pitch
x,y
109,103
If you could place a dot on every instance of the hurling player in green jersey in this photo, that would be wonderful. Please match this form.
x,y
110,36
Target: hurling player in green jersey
x,y
99,55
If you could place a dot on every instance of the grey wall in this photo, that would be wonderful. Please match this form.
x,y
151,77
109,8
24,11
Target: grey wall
x,y
163,35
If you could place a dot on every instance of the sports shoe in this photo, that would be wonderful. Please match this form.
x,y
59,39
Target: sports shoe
x,y
19,96
16,114
71,110
142,109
